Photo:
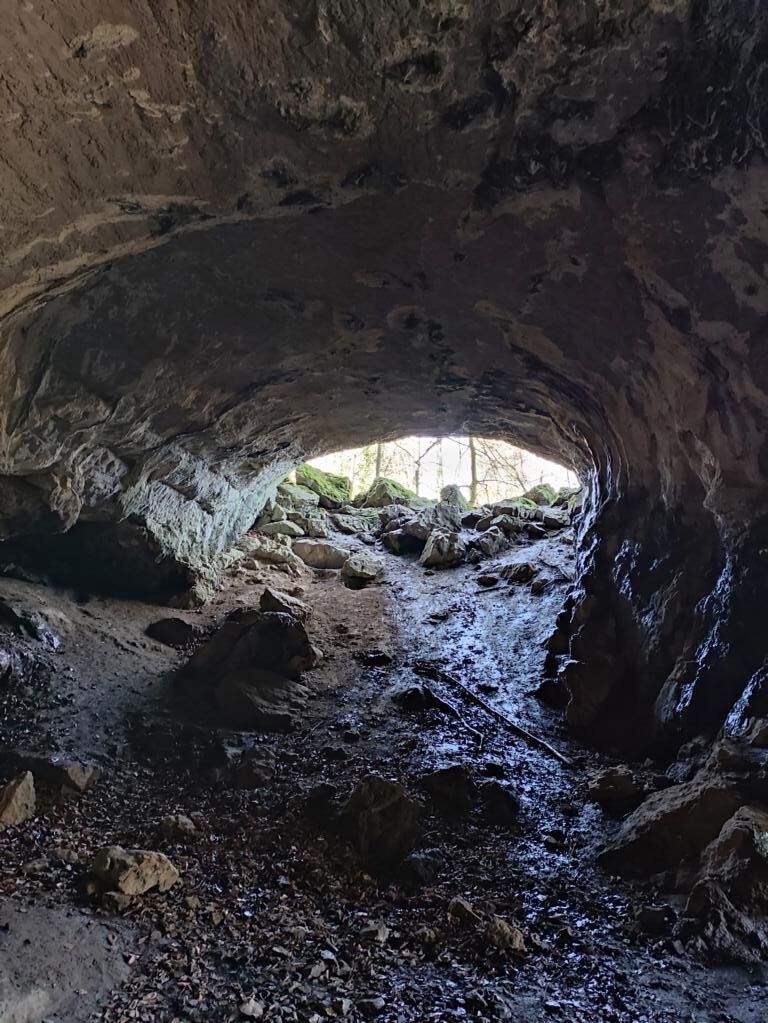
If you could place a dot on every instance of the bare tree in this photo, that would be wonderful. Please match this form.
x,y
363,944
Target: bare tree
x,y
473,480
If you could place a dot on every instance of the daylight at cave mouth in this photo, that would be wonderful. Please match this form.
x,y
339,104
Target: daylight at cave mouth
x,y
383,530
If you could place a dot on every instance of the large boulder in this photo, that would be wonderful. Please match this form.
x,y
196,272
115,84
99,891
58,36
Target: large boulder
x,y
452,495
672,825
284,603
383,492
259,698
516,507
313,524
738,858
133,871
282,528
491,542
363,566
443,549
318,554
253,640
332,491
251,669
296,496
508,524
381,819
275,550
542,493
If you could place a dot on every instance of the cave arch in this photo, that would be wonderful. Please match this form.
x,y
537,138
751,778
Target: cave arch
x,y
459,227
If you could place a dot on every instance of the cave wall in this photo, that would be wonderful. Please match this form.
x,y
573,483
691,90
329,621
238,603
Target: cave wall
x,y
237,236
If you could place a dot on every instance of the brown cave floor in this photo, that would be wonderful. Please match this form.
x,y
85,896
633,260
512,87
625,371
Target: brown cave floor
x,y
273,907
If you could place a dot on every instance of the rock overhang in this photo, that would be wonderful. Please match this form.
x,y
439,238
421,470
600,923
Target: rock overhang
x,y
545,223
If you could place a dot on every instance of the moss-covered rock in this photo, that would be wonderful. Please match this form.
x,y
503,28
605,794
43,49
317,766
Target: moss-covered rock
x,y
543,493
332,490
521,506
297,496
452,493
384,491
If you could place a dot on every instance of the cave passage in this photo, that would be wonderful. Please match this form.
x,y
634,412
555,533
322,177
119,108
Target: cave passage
x,y
307,756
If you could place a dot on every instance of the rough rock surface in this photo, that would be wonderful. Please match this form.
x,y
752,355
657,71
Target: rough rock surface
x,y
671,825
443,549
133,871
362,565
17,800
317,554
382,819
546,223
276,600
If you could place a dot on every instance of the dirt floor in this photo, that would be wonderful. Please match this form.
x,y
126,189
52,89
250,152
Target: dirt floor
x,y
275,916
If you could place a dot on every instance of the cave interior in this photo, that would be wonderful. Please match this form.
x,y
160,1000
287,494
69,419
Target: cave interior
x,y
238,237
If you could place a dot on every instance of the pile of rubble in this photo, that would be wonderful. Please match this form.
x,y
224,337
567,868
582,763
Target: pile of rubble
x,y
449,532
294,526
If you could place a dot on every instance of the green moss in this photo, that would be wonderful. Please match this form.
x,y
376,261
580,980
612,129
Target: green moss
x,y
331,489
384,491
453,495
541,494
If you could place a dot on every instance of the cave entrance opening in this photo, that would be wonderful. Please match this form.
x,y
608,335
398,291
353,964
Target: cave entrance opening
x,y
473,541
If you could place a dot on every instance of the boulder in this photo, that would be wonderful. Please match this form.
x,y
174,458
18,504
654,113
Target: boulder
x,y
253,641
508,524
554,518
17,800
470,519
672,825
133,871
318,554
362,565
296,496
276,550
615,790
381,819
173,632
332,490
353,523
500,804
517,507
520,572
177,827
58,769
542,493
738,858
260,698
283,603
443,549
392,516
451,789
383,492
565,496
729,932
283,528
491,542
312,524
452,495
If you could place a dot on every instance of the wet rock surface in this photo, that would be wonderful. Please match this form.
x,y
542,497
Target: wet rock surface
x,y
354,876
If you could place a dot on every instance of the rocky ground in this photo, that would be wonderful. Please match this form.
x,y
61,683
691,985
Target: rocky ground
x,y
419,839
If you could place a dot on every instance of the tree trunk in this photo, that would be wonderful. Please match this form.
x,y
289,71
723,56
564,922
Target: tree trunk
x,y
379,459
473,472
